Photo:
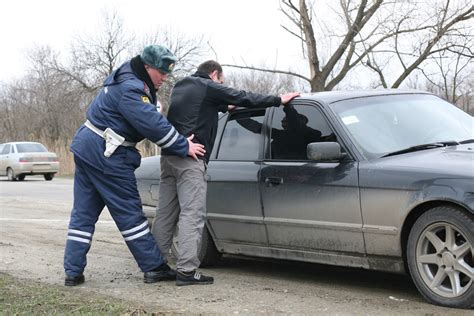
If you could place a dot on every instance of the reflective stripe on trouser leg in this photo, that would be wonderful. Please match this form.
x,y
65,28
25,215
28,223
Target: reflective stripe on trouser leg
x,y
88,205
192,187
123,201
167,212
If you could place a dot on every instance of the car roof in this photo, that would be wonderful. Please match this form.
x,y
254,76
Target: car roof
x,y
335,96
21,143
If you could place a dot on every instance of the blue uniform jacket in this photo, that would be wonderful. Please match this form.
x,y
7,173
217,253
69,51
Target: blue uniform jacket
x,y
124,105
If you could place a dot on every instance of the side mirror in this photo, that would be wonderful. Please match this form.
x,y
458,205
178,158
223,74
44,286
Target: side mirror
x,y
324,151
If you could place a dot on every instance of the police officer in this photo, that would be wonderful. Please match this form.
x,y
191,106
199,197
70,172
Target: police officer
x,y
122,114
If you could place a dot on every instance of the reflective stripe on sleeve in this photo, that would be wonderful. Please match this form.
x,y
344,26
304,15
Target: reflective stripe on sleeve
x,y
171,141
83,240
164,139
140,234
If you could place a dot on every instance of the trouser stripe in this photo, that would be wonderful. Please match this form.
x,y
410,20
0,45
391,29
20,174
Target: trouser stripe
x,y
78,232
137,235
83,240
134,229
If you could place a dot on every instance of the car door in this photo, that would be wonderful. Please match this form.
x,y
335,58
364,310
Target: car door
x,y
308,205
234,209
4,156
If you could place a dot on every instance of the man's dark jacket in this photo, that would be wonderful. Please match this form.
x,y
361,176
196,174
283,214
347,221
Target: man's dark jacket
x,y
196,101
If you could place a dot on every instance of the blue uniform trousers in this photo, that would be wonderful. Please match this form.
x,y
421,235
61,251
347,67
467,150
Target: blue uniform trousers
x,y
92,191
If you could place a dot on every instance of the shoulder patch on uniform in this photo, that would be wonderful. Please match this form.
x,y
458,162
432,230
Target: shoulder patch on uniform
x,y
145,99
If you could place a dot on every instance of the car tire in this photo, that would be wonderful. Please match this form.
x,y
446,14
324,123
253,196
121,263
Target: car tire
x,y
207,254
440,256
21,177
11,174
49,176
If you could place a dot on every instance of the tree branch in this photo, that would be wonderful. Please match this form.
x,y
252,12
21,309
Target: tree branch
x,y
468,14
361,19
377,69
269,70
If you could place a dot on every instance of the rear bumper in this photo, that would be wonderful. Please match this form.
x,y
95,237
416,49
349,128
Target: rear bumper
x,y
36,168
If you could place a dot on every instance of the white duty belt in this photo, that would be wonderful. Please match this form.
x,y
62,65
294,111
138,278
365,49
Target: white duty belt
x,y
112,139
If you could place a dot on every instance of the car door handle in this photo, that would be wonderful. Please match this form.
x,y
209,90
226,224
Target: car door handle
x,y
273,181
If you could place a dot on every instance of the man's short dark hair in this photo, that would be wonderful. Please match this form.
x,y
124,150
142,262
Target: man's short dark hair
x,y
209,67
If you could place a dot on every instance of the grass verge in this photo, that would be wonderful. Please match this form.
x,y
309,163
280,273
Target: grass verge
x,y
20,297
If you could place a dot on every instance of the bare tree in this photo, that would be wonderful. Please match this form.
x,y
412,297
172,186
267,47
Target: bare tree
x,y
44,104
261,82
93,57
7,127
444,32
392,38
450,74
451,77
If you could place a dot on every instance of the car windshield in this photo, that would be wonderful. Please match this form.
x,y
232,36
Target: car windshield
x,y
381,125
30,148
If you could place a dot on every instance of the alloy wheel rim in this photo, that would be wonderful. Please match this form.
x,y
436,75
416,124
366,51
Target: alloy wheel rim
x,y
444,258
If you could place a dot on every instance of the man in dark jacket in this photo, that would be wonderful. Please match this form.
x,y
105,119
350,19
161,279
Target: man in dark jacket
x,y
122,114
194,107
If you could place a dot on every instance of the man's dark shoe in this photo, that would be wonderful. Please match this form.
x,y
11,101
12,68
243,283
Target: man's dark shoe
x,y
162,273
193,277
73,281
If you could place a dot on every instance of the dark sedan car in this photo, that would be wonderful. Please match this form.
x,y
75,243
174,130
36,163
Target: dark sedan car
x,y
382,180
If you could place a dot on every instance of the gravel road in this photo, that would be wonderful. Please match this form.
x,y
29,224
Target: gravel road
x,y
33,222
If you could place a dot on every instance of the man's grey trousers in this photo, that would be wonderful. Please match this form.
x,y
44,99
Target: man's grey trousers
x,y
182,201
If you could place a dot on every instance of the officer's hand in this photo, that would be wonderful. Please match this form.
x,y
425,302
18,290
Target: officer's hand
x,y
285,98
195,149
231,107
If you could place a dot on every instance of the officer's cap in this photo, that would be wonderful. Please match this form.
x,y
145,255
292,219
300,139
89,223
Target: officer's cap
x,y
159,57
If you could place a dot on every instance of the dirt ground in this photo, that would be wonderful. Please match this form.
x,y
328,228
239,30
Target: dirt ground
x,y
33,227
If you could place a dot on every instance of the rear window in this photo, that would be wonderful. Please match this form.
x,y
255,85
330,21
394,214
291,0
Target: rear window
x,y
6,149
31,148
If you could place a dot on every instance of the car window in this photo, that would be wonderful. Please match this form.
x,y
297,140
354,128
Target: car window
x,y
242,138
402,121
30,148
294,127
220,126
6,149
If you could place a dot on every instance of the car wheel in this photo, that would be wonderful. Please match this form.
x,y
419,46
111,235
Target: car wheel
x,y
11,175
49,176
21,177
207,254
440,255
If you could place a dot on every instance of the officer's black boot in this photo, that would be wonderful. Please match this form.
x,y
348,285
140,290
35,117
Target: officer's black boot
x,y
73,281
162,273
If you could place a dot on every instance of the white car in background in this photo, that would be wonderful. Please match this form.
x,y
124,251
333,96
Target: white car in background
x,y
18,159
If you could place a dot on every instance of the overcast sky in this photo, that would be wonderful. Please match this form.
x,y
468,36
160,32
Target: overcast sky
x,y
248,29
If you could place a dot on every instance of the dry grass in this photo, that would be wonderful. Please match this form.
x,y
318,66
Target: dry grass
x,y
25,297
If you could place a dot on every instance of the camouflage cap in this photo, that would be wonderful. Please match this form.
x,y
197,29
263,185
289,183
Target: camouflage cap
x,y
159,57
